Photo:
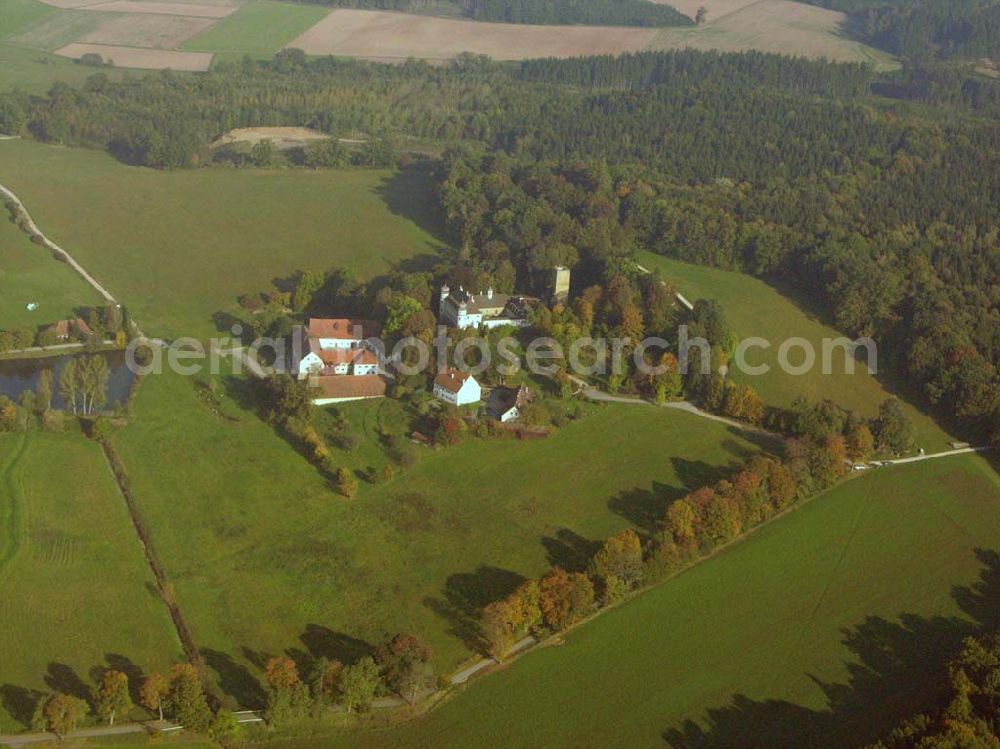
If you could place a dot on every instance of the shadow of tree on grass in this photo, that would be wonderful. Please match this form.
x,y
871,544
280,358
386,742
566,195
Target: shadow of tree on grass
x,y
899,668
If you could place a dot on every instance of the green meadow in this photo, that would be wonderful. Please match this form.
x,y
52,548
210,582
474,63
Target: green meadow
x,y
819,630
179,247
266,558
77,594
259,28
755,309
29,273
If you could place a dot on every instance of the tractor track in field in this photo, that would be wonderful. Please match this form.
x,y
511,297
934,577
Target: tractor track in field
x,y
14,509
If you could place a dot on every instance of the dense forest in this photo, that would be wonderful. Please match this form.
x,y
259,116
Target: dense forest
x,y
925,29
779,167
552,12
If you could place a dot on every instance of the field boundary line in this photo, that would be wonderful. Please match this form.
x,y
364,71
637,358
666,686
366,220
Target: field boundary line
x,y
17,514
163,584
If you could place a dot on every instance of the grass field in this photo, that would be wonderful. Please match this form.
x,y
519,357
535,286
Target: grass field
x,y
28,273
58,30
261,27
754,308
818,631
179,247
778,26
265,558
75,591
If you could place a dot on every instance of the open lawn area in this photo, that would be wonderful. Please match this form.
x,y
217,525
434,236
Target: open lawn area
x,y
817,631
266,558
29,273
755,309
179,247
75,591
259,28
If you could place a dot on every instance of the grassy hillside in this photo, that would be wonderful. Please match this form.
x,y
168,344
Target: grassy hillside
x,y
28,273
259,28
817,631
266,558
76,592
755,309
179,247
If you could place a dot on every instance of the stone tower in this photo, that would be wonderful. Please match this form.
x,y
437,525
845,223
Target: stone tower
x,y
560,284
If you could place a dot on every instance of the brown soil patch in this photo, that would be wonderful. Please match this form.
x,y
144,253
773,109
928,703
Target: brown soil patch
x,y
140,30
201,10
398,36
282,137
133,57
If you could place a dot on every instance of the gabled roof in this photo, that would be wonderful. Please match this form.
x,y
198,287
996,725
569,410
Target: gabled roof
x,y
452,380
334,357
341,329
503,399
64,327
349,386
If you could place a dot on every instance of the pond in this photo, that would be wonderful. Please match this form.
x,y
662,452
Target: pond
x,y
18,375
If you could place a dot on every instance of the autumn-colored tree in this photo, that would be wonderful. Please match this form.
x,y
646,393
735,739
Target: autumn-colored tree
x,y
113,698
404,662
153,692
61,713
187,698
287,696
281,673
860,442
837,447
780,485
680,522
496,629
449,431
564,598
620,557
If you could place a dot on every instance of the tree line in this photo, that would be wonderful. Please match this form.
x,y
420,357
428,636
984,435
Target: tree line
x,y
553,12
924,29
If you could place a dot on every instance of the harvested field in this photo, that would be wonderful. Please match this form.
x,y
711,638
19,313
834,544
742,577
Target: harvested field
x,y
158,32
201,10
381,35
716,8
71,3
281,137
777,26
134,57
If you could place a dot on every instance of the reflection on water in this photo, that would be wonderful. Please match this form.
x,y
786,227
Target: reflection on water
x,y
19,375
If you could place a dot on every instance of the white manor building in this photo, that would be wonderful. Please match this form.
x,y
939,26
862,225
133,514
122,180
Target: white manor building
x,y
457,388
460,309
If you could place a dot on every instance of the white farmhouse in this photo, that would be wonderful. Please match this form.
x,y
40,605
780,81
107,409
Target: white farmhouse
x,y
335,347
457,388
460,309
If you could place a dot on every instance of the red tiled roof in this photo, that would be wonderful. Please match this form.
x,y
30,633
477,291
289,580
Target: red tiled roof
x,y
452,380
349,386
342,329
333,357
64,327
